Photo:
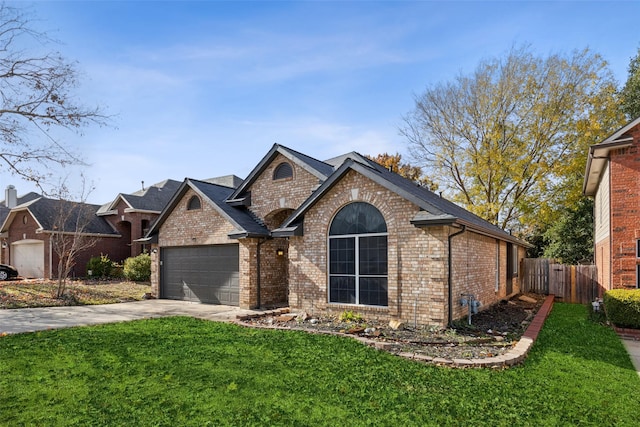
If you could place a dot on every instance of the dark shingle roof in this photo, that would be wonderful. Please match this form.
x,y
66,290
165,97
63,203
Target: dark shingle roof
x,y
435,209
316,167
241,218
49,213
244,221
154,197
4,210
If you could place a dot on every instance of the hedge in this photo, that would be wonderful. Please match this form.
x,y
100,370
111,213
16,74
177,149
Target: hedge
x,y
623,307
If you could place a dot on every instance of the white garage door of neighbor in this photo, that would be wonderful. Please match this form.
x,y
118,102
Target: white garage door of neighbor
x,y
28,257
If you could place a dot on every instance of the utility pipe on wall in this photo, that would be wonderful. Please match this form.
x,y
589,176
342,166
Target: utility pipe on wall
x,y
450,275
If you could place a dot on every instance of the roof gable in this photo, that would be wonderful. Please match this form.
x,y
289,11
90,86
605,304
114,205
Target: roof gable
x,y
151,199
315,167
216,195
598,157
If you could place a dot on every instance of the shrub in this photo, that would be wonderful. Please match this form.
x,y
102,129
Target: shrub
x,y
623,307
99,266
138,269
350,316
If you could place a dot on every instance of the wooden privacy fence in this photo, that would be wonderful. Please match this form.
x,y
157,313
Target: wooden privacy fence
x,y
576,284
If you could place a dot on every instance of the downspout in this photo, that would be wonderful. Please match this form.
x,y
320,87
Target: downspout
x,y
260,242
449,279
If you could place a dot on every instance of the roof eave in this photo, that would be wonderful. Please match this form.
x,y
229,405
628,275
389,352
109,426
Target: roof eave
x,y
597,159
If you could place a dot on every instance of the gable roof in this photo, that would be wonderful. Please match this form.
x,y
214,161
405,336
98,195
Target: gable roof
x,y
46,212
4,210
599,156
314,166
151,199
216,195
435,210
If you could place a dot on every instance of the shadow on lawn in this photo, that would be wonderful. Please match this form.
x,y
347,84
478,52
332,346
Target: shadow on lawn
x,y
569,331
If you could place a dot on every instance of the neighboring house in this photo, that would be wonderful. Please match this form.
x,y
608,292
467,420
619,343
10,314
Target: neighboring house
x,y
613,178
11,200
132,215
344,234
28,228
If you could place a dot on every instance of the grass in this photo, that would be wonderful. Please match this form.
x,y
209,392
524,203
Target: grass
x,y
41,293
183,371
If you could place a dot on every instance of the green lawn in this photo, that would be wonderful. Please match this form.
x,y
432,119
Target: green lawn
x,y
182,371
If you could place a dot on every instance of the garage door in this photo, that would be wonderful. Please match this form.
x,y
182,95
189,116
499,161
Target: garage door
x,y
28,257
201,273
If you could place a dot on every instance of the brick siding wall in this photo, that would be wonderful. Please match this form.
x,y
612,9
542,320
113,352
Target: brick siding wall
x,y
269,195
625,212
417,259
130,226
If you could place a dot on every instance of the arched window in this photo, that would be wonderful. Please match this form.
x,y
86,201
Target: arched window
x,y
283,170
358,256
194,203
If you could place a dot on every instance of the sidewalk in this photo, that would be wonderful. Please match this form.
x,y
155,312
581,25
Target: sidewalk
x,y
633,348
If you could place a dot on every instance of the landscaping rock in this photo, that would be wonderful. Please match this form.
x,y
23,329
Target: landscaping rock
x,y
527,299
396,325
285,318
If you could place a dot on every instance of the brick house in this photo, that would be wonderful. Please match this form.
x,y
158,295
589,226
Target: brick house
x,y
343,234
131,215
28,227
613,178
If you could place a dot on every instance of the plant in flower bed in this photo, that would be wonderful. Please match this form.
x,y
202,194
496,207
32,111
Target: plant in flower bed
x,y
492,332
42,293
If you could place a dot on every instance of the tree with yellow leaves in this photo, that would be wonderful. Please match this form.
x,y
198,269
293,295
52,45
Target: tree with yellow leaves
x,y
509,141
414,173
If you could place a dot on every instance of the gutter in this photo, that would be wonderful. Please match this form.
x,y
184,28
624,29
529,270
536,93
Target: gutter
x,y
450,275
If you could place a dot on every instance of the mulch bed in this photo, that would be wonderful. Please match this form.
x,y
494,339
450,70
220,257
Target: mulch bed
x,y
493,331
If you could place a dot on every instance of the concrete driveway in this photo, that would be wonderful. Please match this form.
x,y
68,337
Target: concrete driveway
x,y
15,321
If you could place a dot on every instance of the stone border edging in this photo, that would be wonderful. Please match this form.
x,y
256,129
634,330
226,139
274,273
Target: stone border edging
x,y
513,357
627,333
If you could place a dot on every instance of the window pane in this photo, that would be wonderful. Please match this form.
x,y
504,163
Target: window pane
x,y
342,256
373,255
373,291
358,218
342,289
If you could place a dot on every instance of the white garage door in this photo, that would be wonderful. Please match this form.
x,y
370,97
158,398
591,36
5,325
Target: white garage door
x,y
28,257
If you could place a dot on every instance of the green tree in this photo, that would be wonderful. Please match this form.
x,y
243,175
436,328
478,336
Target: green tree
x,y
570,239
509,141
414,173
37,86
631,89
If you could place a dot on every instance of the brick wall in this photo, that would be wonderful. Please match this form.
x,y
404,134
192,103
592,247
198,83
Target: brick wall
x,y
269,195
625,212
131,226
417,259
24,226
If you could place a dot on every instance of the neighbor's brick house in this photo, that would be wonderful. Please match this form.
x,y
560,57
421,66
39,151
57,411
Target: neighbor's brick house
x,y
28,227
613,178
344,234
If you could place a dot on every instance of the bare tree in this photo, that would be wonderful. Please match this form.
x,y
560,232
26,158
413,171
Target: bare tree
x,y
71,232
36,86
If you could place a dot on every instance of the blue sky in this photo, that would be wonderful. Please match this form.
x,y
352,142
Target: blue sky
x,y
203,89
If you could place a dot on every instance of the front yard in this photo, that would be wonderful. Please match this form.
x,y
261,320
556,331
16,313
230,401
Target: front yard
x,y
182,371
41,293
